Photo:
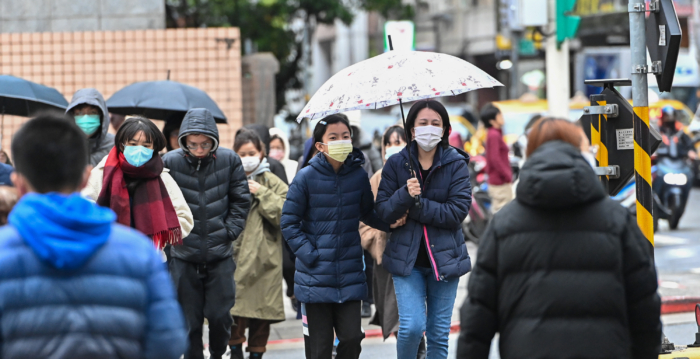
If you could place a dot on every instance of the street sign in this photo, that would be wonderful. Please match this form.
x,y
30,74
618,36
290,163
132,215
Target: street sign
x,y
663,38
613,133
403,35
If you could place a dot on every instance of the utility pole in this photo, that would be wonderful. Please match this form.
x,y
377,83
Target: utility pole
x,y
557,67
640,102
515,58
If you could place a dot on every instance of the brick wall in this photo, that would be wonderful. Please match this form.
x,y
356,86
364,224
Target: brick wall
x,y
110,60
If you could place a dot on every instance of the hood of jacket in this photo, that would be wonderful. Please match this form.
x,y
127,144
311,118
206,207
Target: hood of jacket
x,y
63,230
355,160
285,141
443,155
557,176
198,120
91,96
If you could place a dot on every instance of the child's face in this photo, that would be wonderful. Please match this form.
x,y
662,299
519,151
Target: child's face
x,y
334,132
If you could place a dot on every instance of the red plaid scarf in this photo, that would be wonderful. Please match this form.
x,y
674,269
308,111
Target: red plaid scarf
x,y
154,214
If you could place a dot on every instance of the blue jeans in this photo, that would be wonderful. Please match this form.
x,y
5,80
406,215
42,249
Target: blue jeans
x,y
413,292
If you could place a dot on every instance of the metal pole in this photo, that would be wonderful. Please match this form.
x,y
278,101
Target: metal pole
x,y
557,68
515,58
642,148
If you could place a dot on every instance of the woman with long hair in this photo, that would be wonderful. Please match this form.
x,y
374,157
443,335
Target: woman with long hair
x,y
427,256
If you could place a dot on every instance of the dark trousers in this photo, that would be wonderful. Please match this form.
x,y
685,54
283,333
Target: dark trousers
x,y
288,270
369,273
322,319
258,333
205,291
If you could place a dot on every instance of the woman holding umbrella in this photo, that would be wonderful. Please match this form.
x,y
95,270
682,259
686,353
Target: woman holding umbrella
x,y
133,182
426,256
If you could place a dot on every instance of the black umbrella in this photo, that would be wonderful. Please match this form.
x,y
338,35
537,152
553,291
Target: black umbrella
x,y
162,100
20,97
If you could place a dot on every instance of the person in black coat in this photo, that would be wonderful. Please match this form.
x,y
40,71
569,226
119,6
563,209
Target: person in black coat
x,y
563,271
215,187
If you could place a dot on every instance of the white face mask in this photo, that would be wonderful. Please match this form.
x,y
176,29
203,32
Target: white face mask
x,y
250,163
390,151
428,137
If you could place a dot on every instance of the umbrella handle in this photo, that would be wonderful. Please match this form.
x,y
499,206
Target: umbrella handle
x,y
417,202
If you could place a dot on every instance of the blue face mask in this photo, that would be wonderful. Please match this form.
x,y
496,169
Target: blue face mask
x,y
88,123
137,156
390,151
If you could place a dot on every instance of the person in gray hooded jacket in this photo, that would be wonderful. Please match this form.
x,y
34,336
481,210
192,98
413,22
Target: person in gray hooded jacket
x,y
89,109
215,187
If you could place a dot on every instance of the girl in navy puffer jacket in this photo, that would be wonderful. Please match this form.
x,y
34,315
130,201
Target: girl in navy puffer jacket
x,y
320,221
426,256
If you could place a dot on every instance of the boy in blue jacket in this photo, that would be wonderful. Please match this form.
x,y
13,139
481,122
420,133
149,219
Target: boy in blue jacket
x,y
73,284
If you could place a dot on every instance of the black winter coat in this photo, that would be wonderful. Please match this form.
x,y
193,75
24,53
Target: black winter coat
x,y
563,271
215,188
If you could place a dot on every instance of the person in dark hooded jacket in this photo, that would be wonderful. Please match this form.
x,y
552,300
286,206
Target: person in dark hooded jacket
x,y
320,221
89,110
214,185
563,271
427,256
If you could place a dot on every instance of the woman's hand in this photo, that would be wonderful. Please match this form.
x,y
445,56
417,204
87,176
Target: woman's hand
x,y
253,186
400,222
413,187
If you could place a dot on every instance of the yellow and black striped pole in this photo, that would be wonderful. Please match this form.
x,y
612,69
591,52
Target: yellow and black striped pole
x,y
642,172
640,102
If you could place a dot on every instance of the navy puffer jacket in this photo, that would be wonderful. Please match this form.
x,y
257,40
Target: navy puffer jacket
x,y
320,222
446,198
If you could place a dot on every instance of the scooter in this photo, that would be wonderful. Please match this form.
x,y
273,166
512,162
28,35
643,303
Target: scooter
x,y
474,226
671,182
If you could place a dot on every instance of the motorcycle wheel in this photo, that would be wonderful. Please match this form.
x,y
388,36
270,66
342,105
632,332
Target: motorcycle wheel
x,y
675,216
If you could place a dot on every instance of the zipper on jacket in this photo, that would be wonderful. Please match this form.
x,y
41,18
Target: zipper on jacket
x,y
338,232
425,231
204,236
199,163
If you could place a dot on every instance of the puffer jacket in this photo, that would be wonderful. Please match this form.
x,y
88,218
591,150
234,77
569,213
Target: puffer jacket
x,y
75,285
562,271
102,141
446,198
320,222
215,188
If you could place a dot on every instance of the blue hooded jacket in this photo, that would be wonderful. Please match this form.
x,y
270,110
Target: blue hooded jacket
x,y
446,199
75,285
320,222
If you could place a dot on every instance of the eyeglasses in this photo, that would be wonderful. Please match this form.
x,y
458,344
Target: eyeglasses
x,y
204,146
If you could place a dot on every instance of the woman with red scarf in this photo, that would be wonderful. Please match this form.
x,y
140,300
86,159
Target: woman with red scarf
x,y
133,182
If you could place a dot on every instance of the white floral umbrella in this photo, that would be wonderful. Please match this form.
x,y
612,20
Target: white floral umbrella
x,y
395,77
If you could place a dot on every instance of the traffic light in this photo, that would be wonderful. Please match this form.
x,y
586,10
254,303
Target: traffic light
x,y
567,25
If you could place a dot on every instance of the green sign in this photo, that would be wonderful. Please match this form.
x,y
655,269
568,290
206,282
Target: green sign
x,y
567,25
